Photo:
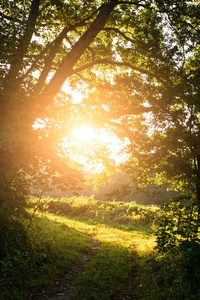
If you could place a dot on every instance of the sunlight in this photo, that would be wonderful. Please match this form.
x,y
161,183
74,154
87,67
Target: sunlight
x,y
77,96
92,148
85,133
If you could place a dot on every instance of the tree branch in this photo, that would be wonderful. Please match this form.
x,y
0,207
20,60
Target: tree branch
x,y
22,47
13,19
53,46
123,64
136,3
66,68
120,32
121,126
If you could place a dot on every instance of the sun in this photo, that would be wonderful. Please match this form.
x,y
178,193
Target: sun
x,y
89,137
95,148
85,133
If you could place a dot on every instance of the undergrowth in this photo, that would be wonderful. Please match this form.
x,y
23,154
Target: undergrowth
x,y
123,213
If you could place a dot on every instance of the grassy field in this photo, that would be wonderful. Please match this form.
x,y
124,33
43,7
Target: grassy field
x,y
126,262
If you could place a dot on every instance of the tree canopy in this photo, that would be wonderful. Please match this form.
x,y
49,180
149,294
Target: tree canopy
x,y
137,66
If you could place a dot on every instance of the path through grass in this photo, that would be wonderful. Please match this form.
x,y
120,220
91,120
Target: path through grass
x,y
113,271
62,232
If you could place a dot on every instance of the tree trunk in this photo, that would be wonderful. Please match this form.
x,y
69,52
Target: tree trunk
x,y
66,67
198,191
11,84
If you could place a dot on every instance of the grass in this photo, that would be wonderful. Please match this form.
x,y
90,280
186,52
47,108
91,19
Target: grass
x,y
126,261
122,243
51,248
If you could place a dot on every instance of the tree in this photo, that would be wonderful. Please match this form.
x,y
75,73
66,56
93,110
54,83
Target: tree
x,y
155,72
41,46
132,57
35,38
170,149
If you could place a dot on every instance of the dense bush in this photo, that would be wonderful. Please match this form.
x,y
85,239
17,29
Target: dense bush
x,y
178,222
177,236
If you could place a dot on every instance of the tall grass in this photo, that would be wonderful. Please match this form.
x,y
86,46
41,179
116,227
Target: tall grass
x,y
125,213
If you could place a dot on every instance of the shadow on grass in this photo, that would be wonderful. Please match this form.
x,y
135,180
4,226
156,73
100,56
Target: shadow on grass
x,y
50,249
112,274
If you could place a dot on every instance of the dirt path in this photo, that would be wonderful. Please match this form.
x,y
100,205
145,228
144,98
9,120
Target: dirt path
x,y
62,287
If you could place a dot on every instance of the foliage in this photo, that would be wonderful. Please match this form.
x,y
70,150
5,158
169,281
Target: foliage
x,y
119,51
137,64
119,188
165,277
178,222
177,235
